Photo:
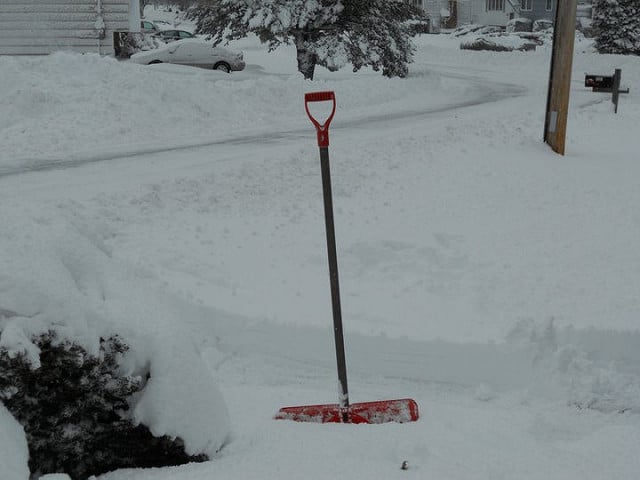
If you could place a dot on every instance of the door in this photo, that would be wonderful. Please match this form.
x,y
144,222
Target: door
x,y
452,21
186,53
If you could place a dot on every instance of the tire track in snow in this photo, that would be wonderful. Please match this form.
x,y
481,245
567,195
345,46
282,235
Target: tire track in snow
x,y
487,92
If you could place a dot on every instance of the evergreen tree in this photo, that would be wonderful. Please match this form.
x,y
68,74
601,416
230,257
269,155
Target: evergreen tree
x,y
616,25
73,410
329,33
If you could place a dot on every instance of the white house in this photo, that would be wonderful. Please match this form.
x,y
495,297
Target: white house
x,y
39,27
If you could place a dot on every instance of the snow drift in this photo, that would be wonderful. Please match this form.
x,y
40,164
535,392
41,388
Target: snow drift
x,y
57,274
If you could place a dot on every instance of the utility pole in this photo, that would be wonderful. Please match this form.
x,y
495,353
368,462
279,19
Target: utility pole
x,y
555,125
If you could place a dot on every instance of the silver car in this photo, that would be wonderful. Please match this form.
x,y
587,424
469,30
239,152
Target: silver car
x,y
148,27
168,36
194,52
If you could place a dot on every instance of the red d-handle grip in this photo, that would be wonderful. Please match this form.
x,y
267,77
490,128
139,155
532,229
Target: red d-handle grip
x,y
321,129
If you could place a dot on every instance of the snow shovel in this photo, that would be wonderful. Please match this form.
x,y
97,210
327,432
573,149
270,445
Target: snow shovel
x,y
402,410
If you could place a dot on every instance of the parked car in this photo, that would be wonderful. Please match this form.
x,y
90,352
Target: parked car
x,y
173,35
162,24
194,52
148,27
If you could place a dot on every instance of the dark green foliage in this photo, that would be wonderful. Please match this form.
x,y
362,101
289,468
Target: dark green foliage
x,y
378,35
72,410
374,33
616,26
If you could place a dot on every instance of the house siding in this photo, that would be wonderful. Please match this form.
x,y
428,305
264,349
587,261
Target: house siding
x,y
585,9
500,18
434,9
539,12
39,27
465,12
511,10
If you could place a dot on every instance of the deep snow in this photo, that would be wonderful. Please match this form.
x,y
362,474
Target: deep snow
x,y
483,275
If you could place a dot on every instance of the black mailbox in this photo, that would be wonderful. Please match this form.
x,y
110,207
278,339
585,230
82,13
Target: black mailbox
x,y
606,83
599,82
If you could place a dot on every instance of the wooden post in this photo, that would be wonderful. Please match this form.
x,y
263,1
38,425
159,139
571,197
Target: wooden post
x,y
555,126
616,88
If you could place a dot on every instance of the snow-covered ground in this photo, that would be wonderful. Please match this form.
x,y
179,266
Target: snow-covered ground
x,y
488,278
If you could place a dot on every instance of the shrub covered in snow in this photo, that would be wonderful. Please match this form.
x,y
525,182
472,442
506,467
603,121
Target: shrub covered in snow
x,y
59,276
542,25
519,24
73,408
128,43
474,28
498,43
616,26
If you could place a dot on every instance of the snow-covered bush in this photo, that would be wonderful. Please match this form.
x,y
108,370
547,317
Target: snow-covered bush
x,y
616,26
419,26
542,25
59,275
474,28
73,408
128,43
498,43
519,24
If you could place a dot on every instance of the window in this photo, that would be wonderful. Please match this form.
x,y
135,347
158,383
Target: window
x,y
526,5
494,5
548,5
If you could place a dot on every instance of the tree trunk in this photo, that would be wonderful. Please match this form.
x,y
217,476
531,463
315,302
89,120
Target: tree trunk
x,y
306,59
143,3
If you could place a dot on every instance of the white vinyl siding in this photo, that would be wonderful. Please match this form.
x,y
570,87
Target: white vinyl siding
x,y
30,27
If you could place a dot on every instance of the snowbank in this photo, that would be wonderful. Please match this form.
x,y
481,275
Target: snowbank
x,y
119,107
14,454
57,274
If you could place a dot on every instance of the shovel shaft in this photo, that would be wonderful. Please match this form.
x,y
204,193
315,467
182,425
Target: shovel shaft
x,y
402,410
335,286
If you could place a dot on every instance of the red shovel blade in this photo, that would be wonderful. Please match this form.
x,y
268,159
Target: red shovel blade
x,y
383,411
